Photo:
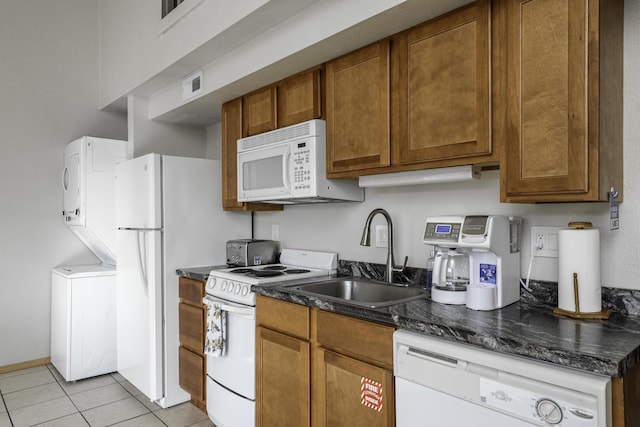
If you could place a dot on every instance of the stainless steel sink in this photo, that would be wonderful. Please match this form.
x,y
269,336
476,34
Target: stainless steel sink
x,y
360,292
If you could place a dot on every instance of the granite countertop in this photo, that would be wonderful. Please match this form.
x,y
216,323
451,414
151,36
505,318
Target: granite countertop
x,y
607,347
198,273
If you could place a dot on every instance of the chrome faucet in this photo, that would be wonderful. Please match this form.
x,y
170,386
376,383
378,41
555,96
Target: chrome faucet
x,y
366,241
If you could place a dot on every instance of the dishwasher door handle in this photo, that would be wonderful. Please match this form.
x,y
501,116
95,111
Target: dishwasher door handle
x,y
430,356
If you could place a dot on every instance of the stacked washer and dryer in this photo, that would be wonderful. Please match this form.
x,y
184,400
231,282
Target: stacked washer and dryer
x,y
83,297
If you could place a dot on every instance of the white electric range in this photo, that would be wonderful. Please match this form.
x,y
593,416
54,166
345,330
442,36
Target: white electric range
x,y
234,283
231,377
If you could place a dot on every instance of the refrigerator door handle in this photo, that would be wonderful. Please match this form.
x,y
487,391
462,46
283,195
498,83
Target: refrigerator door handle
x,y
141,266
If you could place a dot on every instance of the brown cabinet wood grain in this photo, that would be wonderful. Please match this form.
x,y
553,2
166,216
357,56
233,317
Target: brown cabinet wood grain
x,y
352,393
192,374
191,326
564,134
444,87
259,111
421,99
357,100
300,98
311,366
282,380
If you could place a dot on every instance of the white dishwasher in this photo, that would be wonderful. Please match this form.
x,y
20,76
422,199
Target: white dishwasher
x,y
441,383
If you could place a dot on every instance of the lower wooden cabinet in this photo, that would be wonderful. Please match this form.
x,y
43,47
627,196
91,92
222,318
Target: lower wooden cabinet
x,y
192,361
323,369
350,392
282,380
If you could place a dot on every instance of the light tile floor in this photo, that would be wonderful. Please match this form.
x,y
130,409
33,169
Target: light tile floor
x,y
41,397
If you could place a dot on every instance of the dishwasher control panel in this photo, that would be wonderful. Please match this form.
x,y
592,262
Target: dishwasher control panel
x,y
536,407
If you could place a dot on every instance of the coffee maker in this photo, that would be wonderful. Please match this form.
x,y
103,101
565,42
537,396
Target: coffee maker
x,y
489,246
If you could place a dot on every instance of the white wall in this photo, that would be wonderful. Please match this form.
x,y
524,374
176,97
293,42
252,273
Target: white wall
x,y
48,81
136,48
339,226
147,136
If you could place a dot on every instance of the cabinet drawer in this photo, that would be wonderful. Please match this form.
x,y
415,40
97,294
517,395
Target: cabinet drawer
x,y
292,319
190,290
191,326
192,373
367,341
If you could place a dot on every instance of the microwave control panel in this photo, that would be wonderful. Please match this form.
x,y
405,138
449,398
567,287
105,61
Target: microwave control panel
x,y
303,163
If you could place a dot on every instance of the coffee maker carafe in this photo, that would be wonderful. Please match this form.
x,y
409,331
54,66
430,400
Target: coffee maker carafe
x,y
450,276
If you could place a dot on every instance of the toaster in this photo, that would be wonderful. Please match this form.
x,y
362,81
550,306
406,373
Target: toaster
x,y
247,252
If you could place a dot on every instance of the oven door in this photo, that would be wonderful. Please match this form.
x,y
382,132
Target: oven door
x,y
235,370
263,174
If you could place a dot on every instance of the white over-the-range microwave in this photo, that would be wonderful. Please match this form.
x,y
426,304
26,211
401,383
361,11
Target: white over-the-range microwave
x,y
288,166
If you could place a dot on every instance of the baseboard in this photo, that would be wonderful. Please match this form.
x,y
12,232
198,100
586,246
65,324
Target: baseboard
x,y
24,365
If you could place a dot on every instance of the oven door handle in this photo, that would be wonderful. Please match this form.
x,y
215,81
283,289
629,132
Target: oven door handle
x,y
241,310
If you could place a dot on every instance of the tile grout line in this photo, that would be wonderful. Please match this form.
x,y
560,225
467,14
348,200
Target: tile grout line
x,y
6,408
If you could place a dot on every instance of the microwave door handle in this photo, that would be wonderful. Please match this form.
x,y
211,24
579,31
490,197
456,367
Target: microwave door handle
x,y
285,169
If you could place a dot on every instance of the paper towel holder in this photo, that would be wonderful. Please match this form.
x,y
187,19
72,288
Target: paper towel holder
x,y
602,314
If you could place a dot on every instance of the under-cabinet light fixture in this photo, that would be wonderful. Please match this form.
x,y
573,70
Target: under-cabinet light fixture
x,y
427,176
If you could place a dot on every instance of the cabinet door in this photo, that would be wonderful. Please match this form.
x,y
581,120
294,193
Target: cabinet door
x,y
299,98
282,380
352,393
231,123
548,147
444,89
358,99
259,111
191,373
564,140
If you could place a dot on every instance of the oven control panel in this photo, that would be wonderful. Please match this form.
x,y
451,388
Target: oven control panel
x,y
230,290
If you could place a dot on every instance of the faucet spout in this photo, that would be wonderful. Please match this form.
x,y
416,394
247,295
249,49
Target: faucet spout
x,y
366,241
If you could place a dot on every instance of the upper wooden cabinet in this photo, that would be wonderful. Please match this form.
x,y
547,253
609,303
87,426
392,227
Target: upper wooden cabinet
x,y
444,87
259,112
358,99
564,134
419,100
300,98
231,123
293,100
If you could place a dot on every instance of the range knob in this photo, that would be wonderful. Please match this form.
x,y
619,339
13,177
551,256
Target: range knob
x,y
238,288
211,283
231,287
245,291
223,286
549,411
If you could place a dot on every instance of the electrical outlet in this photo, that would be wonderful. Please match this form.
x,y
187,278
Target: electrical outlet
x,y
544,241
382,236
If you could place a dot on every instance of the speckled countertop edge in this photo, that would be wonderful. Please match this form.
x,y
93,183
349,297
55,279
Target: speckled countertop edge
x,y
528,328
610,347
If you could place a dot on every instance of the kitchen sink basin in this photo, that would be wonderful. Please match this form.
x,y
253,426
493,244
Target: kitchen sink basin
x,y
360,292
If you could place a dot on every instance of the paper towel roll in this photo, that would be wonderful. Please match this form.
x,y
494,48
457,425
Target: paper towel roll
x,y
579,252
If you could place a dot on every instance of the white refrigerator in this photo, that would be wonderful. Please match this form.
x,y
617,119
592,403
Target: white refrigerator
x,y
168,215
